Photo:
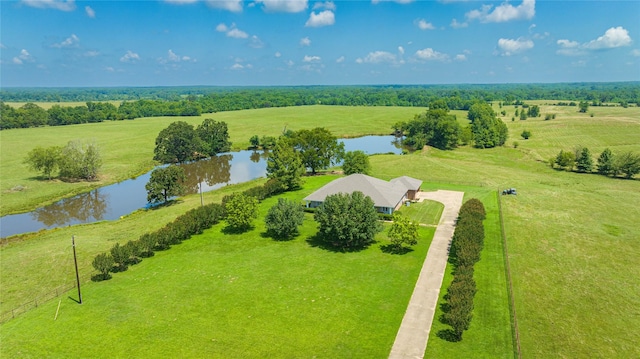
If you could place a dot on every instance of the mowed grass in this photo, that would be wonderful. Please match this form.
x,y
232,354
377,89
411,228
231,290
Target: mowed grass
x,y
425,212
233,295
127,146
572,238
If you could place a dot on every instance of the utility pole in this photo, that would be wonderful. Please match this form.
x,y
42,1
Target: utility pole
x,y
201,199
75,261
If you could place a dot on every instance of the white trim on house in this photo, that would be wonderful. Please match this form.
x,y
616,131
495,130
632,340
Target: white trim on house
x,y
386,196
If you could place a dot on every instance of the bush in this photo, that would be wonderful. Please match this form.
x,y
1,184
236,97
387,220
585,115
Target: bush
x,y
283,219
103,263
526,134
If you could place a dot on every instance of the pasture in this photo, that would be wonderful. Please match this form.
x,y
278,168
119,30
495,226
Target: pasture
x,y
572,239
127,146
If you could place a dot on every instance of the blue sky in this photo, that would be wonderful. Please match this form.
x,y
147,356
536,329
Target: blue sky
x,y
302,42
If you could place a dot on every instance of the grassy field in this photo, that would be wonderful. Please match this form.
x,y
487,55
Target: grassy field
x,y
233,295
573,240
127,146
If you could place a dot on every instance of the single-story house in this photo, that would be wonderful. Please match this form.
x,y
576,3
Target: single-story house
x,y
387,196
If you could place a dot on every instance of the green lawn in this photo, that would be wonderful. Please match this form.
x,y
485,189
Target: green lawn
x,y
127,146
425,212
233,295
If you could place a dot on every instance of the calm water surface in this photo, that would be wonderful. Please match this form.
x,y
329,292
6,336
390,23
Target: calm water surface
x,y
111,202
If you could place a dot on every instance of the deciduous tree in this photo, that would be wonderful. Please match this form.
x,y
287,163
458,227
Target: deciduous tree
x,y
165,182
402,232
45,160
241,210
347,221
178,143
214,136
103,263
283,219
356,162
318,147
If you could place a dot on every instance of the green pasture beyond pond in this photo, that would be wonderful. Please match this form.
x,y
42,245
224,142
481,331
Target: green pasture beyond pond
x,y
572,238
127,146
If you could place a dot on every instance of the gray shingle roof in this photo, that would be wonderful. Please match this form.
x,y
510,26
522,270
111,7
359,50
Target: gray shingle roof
x,y
383,194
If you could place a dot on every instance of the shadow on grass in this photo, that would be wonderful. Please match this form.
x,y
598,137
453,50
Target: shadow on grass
x,y
236,230
448,335
391,249
318,241
168,203
100,277
277,238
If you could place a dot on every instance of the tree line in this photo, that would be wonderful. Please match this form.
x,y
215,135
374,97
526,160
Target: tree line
x,y
625,164
438,128
194,101
466,246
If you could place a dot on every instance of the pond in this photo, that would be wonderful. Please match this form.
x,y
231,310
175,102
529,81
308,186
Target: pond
x,y
116,200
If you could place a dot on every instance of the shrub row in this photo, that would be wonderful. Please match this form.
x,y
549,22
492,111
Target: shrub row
x,y
194,221
467,243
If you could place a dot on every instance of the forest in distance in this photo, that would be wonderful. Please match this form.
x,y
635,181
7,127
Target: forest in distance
x,y
138,102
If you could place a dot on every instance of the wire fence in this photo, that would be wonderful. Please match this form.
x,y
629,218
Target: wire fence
x,y
39,300
512,306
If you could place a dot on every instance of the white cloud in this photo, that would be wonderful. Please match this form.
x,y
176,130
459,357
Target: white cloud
x,y
130,57
24,56
323,18
222,28
277,54
2,46
90,12
237,66
329,5
340,59
401,50
377,57
290,63
91,53
430,54
237,34
229,5
71,41
283,5
461,57
424,25
305,41
308,58
458,25
505,12
635,52
513,46
62,5
612,38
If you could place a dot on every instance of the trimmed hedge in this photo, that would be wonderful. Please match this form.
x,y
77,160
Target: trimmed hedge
x,y
467,243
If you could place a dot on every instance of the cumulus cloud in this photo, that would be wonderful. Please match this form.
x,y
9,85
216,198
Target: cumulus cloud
x,y
255,42
91,53
503,13
308,58
401,50
305,41
237,66
62,5
277,54
90,12
377,57
329,5
340,59
635,52
323,18
24,56
461,57
283,5
514,46
424,25
222,28
458,25
613,38
130,57
71,41
430,54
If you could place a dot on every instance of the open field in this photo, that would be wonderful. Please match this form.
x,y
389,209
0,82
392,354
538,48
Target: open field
x,y
573,243
233,295
127,146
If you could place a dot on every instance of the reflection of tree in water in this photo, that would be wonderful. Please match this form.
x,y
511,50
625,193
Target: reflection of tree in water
x,y
81,208
255,157
212,171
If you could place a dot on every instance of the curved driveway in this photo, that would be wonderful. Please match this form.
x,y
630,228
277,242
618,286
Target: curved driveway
x,y
411,340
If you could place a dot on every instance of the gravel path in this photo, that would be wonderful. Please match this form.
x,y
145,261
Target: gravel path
x,y
411,340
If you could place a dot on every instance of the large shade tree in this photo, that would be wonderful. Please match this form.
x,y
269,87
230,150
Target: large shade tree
x,y
347,221
356,162
214,136
178,143
165,183
488,131
318,147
